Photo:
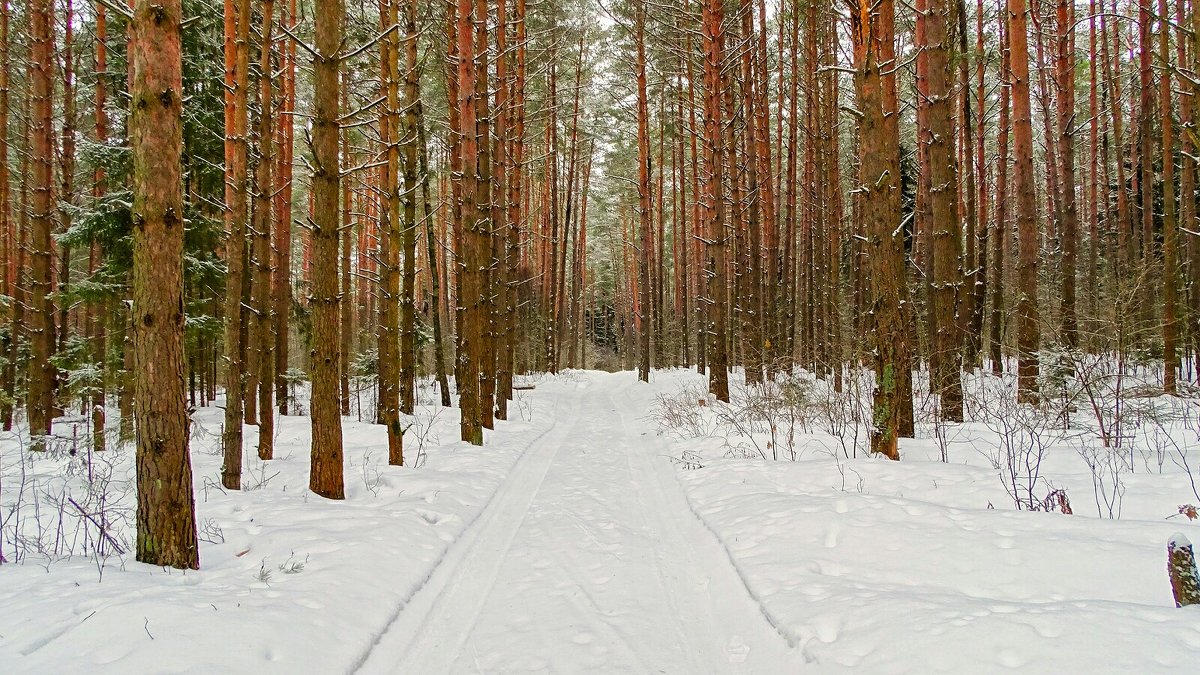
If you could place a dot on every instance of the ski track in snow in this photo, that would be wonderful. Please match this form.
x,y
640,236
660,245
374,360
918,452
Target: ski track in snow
x,y
588,559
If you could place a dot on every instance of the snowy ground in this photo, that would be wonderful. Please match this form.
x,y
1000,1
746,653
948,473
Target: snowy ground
x,y
591,535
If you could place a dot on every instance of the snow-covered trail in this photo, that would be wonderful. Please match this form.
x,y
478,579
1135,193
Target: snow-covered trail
x,y
588,559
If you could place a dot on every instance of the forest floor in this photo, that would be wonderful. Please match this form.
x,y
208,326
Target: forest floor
x,y
611,526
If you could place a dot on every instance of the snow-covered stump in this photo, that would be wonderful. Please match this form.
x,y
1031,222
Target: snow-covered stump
x,y
1181,563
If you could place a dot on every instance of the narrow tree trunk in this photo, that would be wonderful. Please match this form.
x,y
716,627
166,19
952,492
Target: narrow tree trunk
x,y
1069,225
408,236
1170,243
40,400
1000,230
281,280
237,60
389,236
8,237
264,199
97,326
471,281
712,39
1028,330
645,236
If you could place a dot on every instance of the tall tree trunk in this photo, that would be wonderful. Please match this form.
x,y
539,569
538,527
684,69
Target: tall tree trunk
x,y
644,215
1028,329
166,520
40,402
389,236
1000,230
281,281
471,281
346,314
237,62
264,200
97,327
408,236
325,477
1170,241
945,260
8,237
516,213
481,235
872,28
66,195
1069,217
712,39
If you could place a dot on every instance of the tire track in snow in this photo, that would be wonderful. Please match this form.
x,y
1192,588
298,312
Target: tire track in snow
x,y
427,631
589,559
702,584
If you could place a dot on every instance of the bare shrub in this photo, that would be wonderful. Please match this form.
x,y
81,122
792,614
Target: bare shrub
x,y
684,413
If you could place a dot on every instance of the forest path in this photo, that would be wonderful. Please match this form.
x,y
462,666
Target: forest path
x,y
587,560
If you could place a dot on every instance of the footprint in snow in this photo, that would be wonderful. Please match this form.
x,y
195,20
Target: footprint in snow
x,y
737,649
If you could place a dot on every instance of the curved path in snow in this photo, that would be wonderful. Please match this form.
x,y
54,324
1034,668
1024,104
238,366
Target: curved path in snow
x,y
587,560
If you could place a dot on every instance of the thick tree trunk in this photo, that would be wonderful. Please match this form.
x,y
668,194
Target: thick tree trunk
x,y
945,260
325,477
166,520
872,31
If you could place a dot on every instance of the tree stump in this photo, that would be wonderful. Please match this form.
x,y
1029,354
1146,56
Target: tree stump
x,y
1181,563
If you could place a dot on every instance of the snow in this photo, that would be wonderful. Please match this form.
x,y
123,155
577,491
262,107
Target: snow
x,y
585,536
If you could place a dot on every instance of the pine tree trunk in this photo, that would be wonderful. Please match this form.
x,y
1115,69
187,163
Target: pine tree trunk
x,y
281,280
1028,328
97,326
644,215
408,236
1000,238
389,236
166,520
872,32
8,237
264,199
471,282
1170,243
712,38
945,260
325,477
482,234
237,61
40,401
